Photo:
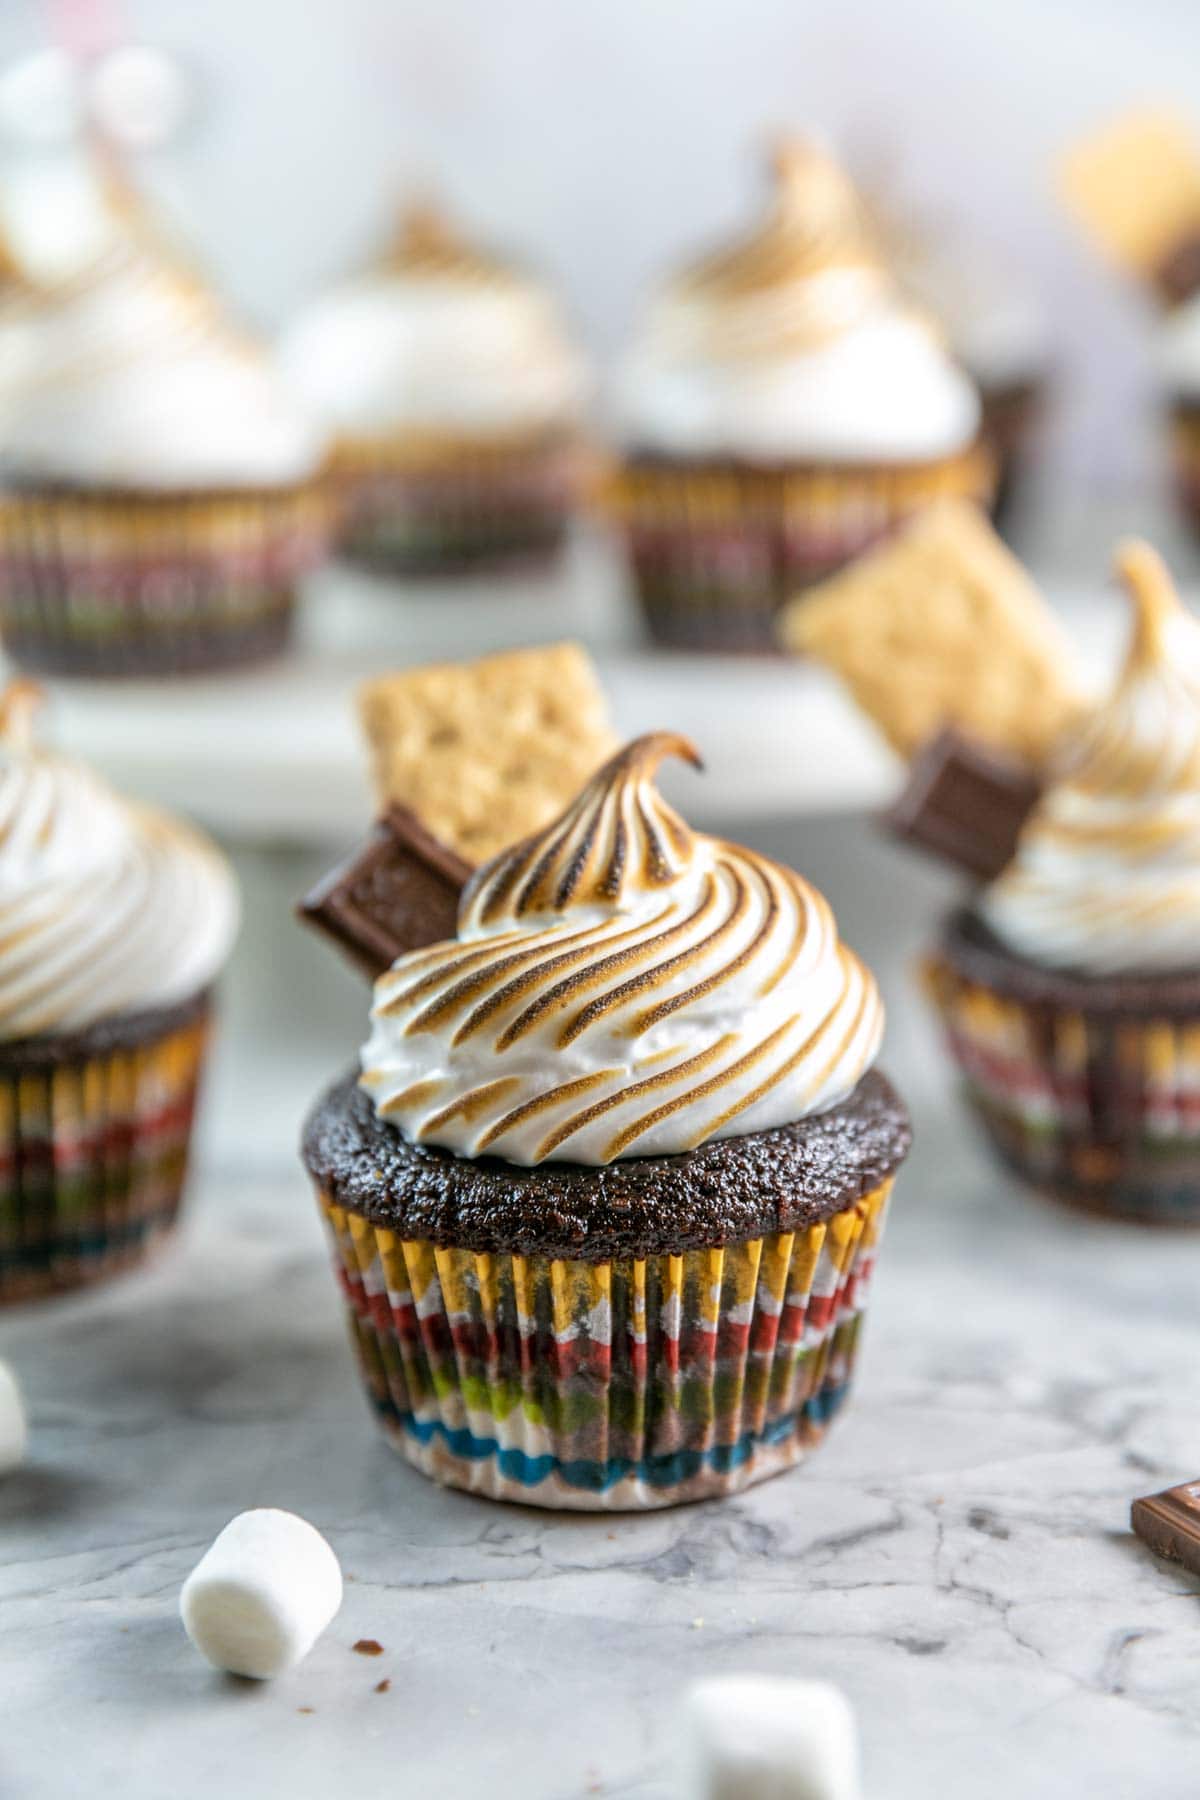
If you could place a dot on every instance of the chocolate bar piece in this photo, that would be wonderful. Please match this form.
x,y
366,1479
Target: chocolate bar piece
x,y
398,892
1170,1523
965,804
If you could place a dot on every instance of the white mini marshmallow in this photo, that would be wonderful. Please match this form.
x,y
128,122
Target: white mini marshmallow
x,y
260,1597
759,1737
14,1432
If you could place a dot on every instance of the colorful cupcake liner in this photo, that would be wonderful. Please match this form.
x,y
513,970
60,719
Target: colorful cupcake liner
x,y
716,549
629,1384
110,584
419,508
1094,1109
93,1156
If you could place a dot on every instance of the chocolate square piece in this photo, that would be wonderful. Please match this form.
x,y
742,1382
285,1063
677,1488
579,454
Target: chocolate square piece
x,y
1170,1524
398,892
964,804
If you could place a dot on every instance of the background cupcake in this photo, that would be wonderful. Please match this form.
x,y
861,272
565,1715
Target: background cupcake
x,y
1134,187
1070,989
162,491
1178,362
782,408
116,922
454,395
606,1199
996,330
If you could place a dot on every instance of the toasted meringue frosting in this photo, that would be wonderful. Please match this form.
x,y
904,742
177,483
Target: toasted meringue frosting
x,y
439,337
795,344
1106,878
106,907
622,986
130,378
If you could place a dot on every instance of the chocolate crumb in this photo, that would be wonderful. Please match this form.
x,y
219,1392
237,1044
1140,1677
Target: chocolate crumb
x,y
368,1647
306,1709
381,1687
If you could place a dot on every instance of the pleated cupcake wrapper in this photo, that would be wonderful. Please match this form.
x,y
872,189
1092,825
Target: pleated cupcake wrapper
x,y
86,579
93,1156
716,550
628,1384
1100,1111
422,501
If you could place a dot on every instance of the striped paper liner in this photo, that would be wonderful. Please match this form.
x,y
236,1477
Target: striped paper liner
x,y
1098,1110
620,1385
93,1158
420,505
715,549
110,584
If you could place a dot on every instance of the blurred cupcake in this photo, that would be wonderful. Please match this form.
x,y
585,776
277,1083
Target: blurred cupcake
x,y
161,494
997,332
116,922
454,397
782,409
1134,187
1070,988
606,1197
1178,361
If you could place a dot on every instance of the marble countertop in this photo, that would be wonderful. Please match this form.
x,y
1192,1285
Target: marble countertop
x,y
957,1554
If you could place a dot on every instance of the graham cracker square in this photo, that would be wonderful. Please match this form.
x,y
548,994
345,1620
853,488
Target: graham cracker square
x,y
942,626
486,752
1135,187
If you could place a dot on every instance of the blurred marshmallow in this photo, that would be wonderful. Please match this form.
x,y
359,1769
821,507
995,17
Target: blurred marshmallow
x,y
14,1432
758,1737
260,1597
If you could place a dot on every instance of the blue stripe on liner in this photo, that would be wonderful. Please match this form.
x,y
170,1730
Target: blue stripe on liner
x,y
598,1477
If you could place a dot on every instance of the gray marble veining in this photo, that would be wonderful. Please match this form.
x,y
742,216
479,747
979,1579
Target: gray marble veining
x,y
957,1554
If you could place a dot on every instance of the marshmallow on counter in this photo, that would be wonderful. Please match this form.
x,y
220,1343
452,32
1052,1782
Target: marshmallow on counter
x,y
760,1737
14,1432
260,1597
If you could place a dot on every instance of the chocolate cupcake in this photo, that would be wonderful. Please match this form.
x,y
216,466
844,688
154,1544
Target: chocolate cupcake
x,y
606,1195
454,396
1070,987
162,491
117,920
782,409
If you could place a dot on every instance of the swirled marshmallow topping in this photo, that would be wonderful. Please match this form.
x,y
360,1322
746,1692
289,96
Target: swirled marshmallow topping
x,y
1106,878
622,986
106,907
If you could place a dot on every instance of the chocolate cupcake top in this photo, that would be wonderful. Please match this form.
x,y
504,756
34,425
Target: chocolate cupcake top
x,y
438,337
795,344
130,377
1106,876
622,986
106,907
